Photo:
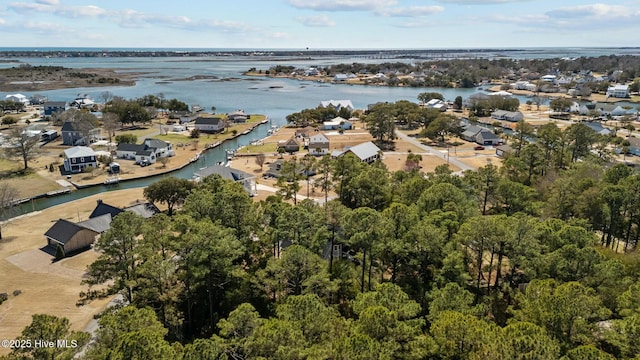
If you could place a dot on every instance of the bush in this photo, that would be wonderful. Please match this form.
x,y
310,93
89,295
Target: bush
x,y
195,133
17,292
59,253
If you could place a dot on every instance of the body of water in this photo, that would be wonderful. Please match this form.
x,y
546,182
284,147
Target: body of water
x,y
228,90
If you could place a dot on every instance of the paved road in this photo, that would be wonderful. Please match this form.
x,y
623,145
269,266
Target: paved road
x,y
442,155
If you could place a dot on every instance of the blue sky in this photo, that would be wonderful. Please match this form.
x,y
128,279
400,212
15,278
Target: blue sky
x,y
319,24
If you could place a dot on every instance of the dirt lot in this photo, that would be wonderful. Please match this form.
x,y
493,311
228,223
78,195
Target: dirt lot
x,y
47,287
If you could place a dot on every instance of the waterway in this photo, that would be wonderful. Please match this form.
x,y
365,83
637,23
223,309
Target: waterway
x,y
209,82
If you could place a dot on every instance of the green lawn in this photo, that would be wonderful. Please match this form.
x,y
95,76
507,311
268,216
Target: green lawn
x,y
264,148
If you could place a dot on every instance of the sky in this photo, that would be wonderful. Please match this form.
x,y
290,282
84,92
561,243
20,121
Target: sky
x,y
319,24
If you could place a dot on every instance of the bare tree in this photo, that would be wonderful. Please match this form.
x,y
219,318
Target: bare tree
x,y
110,123
106,96
8,195
23,146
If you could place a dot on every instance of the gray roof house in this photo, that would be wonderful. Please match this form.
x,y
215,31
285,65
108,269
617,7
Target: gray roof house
x,y
209,124
72,237
513,116
480,135
247,180
367,152
78,158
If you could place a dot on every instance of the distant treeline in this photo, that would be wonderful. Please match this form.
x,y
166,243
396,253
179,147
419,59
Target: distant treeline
x,y
267,53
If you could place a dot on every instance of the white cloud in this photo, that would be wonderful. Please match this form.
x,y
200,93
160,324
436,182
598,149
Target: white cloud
x,y
592,11
479,2
316,21
342,5
47,2
412,11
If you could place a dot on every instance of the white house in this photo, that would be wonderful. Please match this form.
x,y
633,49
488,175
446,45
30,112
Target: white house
x,y
513,116
162,148
318,145
79,158
17,98
337,123
618,91
338,104
436,104
367,152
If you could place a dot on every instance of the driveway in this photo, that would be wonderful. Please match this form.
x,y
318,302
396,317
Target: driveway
x,y
437,152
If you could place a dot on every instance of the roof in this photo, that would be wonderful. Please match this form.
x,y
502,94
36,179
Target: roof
x,y
55,103
98,224
130,147
471,130
103,208
364,151
337,103
318,138
70,126
155,143
208,121
63,231
146,210
336,121
225,172
79,151
487,134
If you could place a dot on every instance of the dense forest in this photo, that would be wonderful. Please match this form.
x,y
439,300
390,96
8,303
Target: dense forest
x,y
535,259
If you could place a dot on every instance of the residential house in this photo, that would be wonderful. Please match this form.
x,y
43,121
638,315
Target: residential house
x,y
75,237
82,102
318,144
599,129
78,158
17,98
75,133
367,152
436,104
238,117
337,123
247,180
513,116
51,107
340,77
275,169
209,124
72,237
338,104
634,146
306,132
162,148
618,91
480,135
503,150
289,146
141,153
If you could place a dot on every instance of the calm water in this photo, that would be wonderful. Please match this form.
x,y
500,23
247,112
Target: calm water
x,y
228,90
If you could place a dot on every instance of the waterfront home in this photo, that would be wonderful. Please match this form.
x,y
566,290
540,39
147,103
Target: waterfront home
x,y
247,180
337,104
17,98
618,91
513,116
51,107
337,123
436,104
238,117
141,153
162,148
209,124
367,152
318,145
78,158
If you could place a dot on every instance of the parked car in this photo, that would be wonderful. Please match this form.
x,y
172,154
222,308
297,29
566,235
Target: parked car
x,y
479,147
144,163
